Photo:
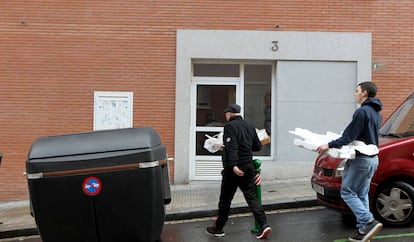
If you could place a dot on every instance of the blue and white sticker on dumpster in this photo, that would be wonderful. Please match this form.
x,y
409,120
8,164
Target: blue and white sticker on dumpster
x,y
92,186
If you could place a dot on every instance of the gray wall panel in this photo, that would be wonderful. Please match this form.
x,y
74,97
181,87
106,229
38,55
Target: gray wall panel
x,y
315,95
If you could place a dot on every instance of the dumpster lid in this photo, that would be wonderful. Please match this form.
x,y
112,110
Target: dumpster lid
x,y
94,142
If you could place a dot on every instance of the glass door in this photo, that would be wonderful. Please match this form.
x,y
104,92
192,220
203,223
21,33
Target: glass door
x,y
211,99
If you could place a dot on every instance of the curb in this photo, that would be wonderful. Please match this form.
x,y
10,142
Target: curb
x,y
243,209
18,233
183,215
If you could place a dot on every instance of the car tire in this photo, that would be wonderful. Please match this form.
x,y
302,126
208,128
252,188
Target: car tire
x,y
393,204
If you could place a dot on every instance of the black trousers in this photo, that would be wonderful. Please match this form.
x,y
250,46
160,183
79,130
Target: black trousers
x,y
229,184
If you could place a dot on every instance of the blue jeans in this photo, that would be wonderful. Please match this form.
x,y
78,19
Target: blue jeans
x,y
356,181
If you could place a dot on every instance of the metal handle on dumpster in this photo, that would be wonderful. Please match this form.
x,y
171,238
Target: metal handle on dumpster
x,y
141,165
166,179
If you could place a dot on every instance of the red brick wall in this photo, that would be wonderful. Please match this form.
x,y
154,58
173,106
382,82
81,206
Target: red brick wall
x,y
54,55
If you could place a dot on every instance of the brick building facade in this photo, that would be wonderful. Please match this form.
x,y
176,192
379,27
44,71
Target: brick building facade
x,y
56,54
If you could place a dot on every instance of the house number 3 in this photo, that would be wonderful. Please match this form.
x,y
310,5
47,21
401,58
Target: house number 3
x,y
275,45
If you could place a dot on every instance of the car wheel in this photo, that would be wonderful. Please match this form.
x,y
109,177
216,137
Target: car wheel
x,y
393,204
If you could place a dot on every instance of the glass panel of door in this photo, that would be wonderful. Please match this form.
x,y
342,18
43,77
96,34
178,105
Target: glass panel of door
x,y
210,119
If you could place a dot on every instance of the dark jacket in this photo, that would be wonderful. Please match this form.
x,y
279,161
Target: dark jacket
x,y
240,140
364,126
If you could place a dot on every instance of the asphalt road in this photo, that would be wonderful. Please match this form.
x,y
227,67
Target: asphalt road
x,y
310,225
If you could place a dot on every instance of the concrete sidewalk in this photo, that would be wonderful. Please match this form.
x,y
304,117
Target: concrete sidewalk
x,y
198,199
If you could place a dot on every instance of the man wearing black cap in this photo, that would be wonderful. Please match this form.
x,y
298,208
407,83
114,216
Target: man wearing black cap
x,y
239,140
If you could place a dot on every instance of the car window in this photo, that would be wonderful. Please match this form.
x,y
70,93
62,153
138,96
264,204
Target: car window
x,y
401,122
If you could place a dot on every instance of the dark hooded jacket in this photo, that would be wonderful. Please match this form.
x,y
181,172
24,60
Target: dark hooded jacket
x,y
239,139
364,126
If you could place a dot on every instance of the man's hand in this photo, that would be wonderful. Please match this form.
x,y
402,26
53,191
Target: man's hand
x,y
322,148
237,171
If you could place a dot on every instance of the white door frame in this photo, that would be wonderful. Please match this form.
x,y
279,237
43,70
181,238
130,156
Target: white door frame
x,y
225,81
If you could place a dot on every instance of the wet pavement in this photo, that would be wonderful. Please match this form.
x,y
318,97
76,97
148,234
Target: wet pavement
x,y
195,200
311,224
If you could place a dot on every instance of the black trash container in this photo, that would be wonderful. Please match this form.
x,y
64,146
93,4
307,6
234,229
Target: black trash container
x,y
99,186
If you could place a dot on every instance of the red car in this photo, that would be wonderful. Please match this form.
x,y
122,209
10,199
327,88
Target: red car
x,y
392,187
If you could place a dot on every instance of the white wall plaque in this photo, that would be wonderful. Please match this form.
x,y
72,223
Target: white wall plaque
x,y
112,110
